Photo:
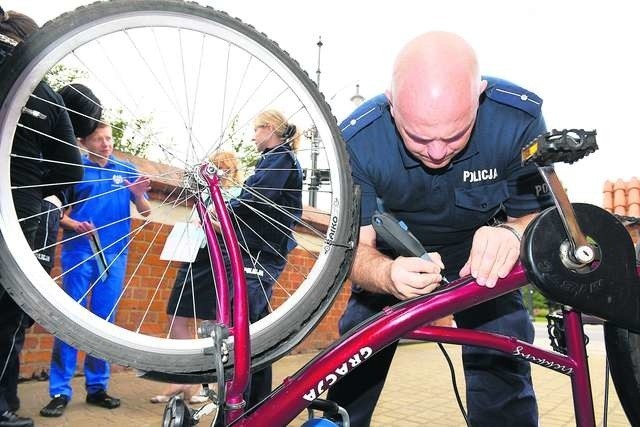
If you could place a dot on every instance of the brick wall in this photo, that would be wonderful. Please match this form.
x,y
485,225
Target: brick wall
x,y
37,350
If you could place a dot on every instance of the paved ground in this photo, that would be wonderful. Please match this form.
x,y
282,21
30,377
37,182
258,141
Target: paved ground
x,y
418,393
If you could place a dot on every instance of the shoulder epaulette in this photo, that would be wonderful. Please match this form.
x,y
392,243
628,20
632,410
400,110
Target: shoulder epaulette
x,y
8,40
510,94
363,116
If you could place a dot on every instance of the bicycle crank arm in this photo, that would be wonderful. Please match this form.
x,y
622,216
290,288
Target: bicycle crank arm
x,y
564,146
582,251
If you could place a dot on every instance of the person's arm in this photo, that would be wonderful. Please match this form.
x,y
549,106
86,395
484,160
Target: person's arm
x,y
267,183
80,227
139,189
401,277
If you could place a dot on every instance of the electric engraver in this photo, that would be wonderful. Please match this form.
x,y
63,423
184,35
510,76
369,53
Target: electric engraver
x,y
397,235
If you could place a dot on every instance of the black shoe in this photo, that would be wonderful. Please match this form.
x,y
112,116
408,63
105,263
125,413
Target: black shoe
x,y
14,405
103,400
56,407
10,419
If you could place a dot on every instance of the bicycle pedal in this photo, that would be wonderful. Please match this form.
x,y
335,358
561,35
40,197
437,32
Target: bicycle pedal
x,y
567,146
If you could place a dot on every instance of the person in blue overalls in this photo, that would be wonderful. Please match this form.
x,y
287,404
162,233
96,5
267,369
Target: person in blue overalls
x,y
442,150
101,207
264,215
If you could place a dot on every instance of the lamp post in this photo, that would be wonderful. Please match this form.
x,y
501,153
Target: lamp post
x,y
314,179
317,177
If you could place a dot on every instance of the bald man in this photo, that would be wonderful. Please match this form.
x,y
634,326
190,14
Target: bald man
x,y
441,149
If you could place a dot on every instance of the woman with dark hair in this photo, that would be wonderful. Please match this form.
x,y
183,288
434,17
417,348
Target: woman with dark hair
x,y
31,140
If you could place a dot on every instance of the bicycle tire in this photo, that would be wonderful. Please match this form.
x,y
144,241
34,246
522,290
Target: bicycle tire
x,y
33,289
623,354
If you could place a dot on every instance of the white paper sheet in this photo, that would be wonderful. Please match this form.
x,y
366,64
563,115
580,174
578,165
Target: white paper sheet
x,y
183,242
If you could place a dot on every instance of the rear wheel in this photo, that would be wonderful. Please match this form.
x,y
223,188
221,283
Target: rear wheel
x,y
623,353
184,81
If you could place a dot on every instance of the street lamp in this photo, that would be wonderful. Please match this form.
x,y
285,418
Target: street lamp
x,y
314,179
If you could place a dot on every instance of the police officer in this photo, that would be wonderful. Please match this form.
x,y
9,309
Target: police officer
x,y
442,151
85,111
42,122
274,191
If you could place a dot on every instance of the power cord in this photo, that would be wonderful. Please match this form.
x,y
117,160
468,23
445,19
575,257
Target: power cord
x,y
454,384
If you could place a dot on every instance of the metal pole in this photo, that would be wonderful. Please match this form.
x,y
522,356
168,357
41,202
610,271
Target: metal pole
x,y
314,180
319,44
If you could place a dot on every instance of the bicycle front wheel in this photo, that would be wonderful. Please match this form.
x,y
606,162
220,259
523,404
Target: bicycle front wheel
x,y
182,82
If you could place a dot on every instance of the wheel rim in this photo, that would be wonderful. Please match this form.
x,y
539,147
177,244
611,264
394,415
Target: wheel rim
x,y
177,355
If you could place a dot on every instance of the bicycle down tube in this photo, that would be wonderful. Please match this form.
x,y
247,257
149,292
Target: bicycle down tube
x,y
406,320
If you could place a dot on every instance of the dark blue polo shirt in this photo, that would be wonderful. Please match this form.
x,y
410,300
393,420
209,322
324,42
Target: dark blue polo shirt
x,y
444,207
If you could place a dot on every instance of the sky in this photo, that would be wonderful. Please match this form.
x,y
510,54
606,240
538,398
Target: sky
x,y
581,57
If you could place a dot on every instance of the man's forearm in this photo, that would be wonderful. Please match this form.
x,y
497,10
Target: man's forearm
x,y
142,205
371,270
67,223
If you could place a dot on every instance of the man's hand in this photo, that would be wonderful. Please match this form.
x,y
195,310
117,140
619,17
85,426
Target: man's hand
x,y
141,185
82,227
411,277
403,277
494,252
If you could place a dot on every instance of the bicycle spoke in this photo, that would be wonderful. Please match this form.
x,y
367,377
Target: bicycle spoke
x,y
178,84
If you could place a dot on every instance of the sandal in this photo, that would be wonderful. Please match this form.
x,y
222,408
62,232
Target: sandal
x,y
103,400
160,398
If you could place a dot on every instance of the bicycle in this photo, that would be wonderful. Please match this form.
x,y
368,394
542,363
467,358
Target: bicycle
x,y
225,351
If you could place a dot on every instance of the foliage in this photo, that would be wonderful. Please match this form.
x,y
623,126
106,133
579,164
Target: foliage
x,y
248,155
131,136
536,303
60,75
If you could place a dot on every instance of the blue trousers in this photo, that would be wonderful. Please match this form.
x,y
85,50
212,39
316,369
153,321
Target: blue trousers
x,y
103,297
499,388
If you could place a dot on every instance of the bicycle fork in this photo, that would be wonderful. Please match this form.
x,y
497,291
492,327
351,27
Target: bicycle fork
x,y
230,395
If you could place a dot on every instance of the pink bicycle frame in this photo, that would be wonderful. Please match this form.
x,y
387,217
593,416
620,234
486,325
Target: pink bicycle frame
x,y
407,319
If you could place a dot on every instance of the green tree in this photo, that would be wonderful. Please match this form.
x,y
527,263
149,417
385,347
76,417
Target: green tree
x,y
248,155
61,75
131,136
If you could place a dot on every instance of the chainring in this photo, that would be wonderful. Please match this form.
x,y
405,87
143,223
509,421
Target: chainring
x,y
609,288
